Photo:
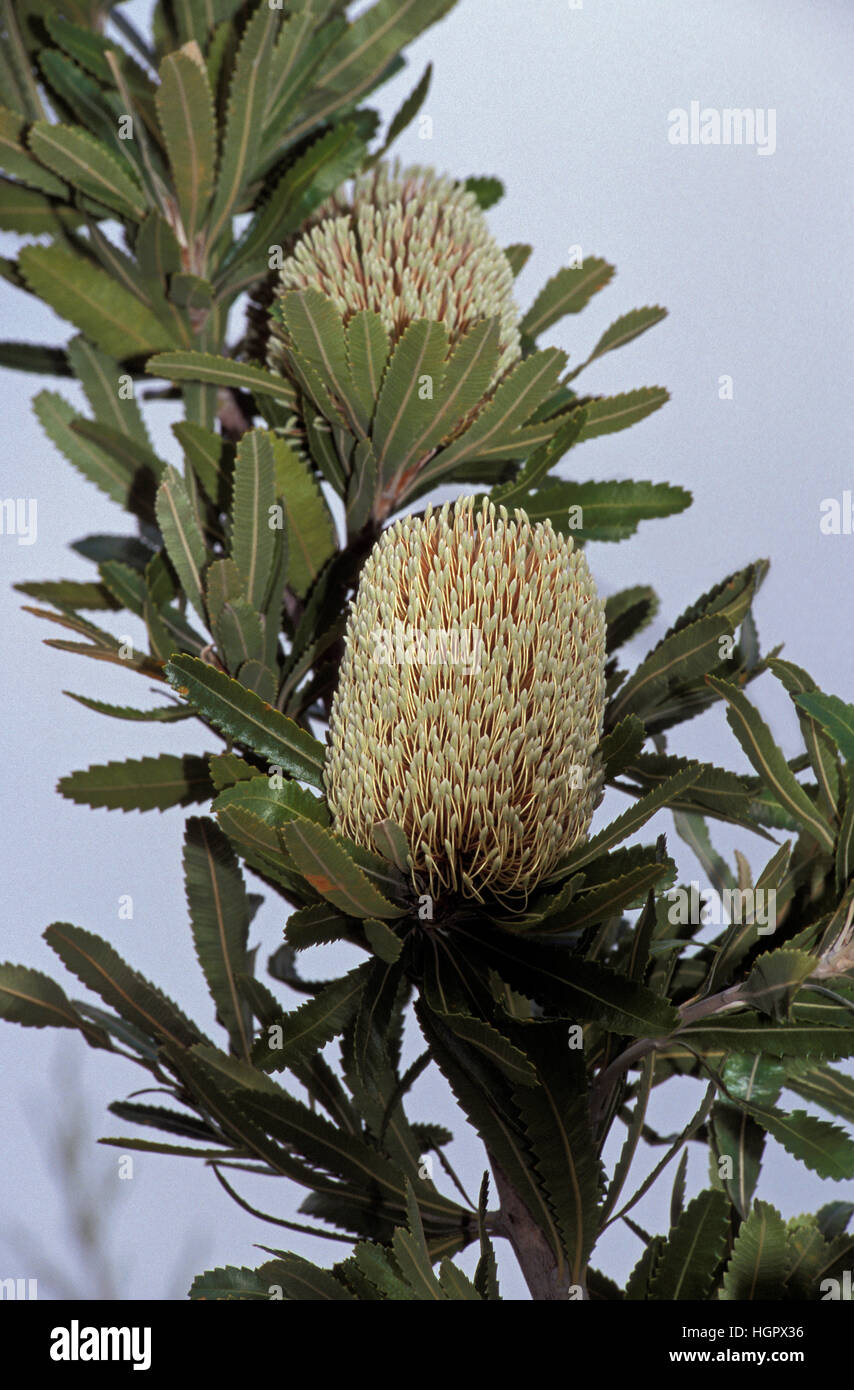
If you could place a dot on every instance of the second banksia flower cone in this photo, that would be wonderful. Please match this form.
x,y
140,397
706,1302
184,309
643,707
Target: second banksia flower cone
x,y
481,746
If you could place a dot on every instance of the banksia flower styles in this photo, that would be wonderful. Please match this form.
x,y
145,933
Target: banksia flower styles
x,y
394,317
409,245
481,742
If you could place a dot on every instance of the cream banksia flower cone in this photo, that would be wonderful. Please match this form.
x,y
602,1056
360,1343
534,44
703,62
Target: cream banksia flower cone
x,y
409,245
481,746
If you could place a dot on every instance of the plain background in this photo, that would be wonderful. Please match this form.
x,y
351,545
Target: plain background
x,y
569,106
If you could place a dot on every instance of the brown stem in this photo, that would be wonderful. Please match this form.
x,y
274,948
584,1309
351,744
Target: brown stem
x,y
548,1280
690,1013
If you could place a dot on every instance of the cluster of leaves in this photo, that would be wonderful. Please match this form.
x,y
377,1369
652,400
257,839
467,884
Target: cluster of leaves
x,y
240,582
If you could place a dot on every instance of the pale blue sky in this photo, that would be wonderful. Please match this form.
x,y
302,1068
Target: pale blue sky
x,y
751,255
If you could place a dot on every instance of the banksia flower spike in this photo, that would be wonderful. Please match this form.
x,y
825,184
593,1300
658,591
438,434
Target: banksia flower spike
x,y
408,245
470,701
408,250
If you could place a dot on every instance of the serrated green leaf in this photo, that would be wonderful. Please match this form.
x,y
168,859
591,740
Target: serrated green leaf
x,y
606,414
114,478
626,824
247,104
497,430
185,109
240,715
822,1146
684,656
403,409
327,866
755,738
749,1032
567,292
295,1037
822,1085
687,1264
835,717
35,1000
93,301
622,331
819,744
221,371
182,536
759,1263
102,970
103,383
465,382
141,784
275,805
253,540
228,1283
310,528
604,511
87,164
164,714
219,918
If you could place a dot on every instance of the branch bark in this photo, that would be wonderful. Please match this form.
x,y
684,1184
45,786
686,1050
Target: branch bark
x,y
546,1280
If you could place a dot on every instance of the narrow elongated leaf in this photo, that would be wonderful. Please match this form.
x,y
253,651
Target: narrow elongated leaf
x,y
102,970
695,1247
316,330
219,917
759,1264
273,804
294,1038
221,371
327,866
408,110
822,1146
604,511
465,382
819,744
824,1086
367,353
88,165
835,717
242,716
311,178
749,1032
630,821
253,540
581,989
244,128
18,163
35,1000
185,108
755,738
182,536
567,292
141,784
736,1135
93,301
607,414
687,654
116,479
310,528
164,714
404,408
556,1118
103,383
624,330
495,431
